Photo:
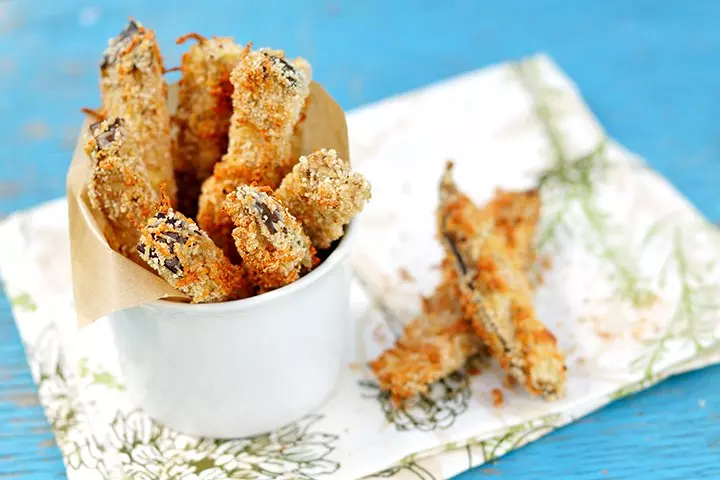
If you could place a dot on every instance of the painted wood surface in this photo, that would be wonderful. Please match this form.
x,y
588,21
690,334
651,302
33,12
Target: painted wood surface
x,y
649,69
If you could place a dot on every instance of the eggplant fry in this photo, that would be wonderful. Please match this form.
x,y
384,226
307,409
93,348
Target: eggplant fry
x,y
496,295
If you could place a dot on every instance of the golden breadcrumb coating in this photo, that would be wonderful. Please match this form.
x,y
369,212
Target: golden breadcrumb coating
x,y
495,294
268,97
133,88
274,248
175,247
516,218
204,104
436,343
324,194
118,186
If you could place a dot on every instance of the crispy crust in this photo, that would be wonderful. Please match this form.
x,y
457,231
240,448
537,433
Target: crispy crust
x,y
175,247
204,104
268,97
496,296
436,343
274,249
324,194
516,217
133,88
118,186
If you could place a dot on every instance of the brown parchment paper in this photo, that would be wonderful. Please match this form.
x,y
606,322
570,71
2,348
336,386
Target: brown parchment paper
x,y
103,280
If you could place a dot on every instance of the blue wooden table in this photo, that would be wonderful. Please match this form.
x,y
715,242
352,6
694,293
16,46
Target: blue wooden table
x,y
650,70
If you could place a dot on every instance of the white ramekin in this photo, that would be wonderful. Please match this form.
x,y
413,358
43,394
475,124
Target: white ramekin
x,y
239,368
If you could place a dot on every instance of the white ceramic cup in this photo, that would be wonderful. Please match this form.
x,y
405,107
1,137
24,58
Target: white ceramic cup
x,y
244,367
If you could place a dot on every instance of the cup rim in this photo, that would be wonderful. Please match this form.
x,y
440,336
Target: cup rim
x,y
341,251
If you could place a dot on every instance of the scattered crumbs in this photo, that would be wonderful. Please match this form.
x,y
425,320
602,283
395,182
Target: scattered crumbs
x,y
509,382
356,367
473,369
546,262
536,280
701,403
405,275
603,471
497,397
379,336
637,332
604,335
36,130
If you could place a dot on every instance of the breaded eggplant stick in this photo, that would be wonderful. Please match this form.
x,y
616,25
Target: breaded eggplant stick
x,y
204,103
133,88
436,343
496,296
516,218
271,242
118,186
268,97
324,194
175,247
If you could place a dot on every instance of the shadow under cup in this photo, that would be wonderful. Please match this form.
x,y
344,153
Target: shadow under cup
x,y
239,368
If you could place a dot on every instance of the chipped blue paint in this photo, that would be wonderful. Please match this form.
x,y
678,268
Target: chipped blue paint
x,y
648,68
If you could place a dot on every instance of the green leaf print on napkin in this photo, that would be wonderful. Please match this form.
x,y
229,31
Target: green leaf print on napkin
x,y
148,450
438,409
99,377
23,301
569,185
694,320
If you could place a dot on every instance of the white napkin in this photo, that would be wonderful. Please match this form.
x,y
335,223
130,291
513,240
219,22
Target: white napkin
x,y
631,295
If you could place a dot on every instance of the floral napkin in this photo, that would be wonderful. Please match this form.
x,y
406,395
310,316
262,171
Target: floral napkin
x,y
631,295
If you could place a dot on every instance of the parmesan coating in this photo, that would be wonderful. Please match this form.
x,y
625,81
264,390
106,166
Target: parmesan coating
x,y
435,344
496,296
133,88
274,248
324,194
204,104
175,247
268,97
516,217
118,187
